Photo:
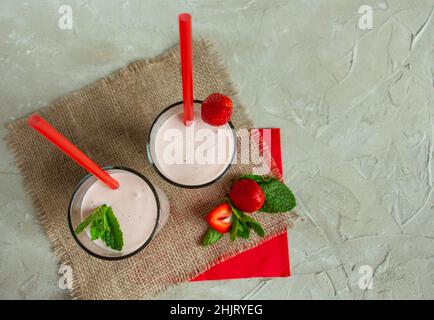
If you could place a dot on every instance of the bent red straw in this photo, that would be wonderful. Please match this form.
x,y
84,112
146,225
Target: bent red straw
x,y
185,42
44,128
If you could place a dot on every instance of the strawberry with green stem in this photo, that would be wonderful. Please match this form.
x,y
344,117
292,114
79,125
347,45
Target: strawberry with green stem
x,y
249,193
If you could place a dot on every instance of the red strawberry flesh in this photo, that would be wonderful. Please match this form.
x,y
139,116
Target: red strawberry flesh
x,y
219,218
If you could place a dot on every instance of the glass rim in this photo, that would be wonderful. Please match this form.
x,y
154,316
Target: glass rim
x,y
177,184
151,236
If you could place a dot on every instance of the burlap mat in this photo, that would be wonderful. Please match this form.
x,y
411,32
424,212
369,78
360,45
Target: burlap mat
x,y
109,120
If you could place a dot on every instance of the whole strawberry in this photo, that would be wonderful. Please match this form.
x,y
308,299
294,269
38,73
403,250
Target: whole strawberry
x,y
216,109
246,195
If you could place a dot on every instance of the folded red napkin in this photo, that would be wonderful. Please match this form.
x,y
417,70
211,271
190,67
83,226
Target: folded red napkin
x,y
270,258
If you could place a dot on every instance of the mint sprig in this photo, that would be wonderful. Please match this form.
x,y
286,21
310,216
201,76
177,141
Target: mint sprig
x,y
240,228
254,177
234,228
245,223
105,226
253,224
278,199
212,236
243,230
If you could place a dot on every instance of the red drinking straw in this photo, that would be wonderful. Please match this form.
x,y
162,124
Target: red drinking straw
x,y
56,138
185,40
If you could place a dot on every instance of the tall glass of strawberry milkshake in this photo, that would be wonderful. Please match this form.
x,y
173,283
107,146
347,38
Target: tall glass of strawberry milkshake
x,y
140,208
190,156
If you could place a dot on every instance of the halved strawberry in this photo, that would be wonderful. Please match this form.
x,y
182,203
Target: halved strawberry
x,y
219,218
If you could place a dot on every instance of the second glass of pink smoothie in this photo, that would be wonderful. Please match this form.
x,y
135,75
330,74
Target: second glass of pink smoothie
x,y
192,156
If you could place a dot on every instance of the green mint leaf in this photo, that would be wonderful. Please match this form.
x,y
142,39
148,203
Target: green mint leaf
x,y
211,237
108,239
95,215
253,224
114,232
237,213
94,233
278,197
234,228
256,226
105,226
246,223
254,177
243,230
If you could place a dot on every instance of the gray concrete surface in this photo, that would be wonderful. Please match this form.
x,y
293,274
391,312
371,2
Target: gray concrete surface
x,y
356,109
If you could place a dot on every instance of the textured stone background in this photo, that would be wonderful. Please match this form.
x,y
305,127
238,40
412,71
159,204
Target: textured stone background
x,y
355,106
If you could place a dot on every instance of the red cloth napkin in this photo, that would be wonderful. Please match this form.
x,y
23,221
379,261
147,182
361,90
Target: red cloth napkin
x,y
270,258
